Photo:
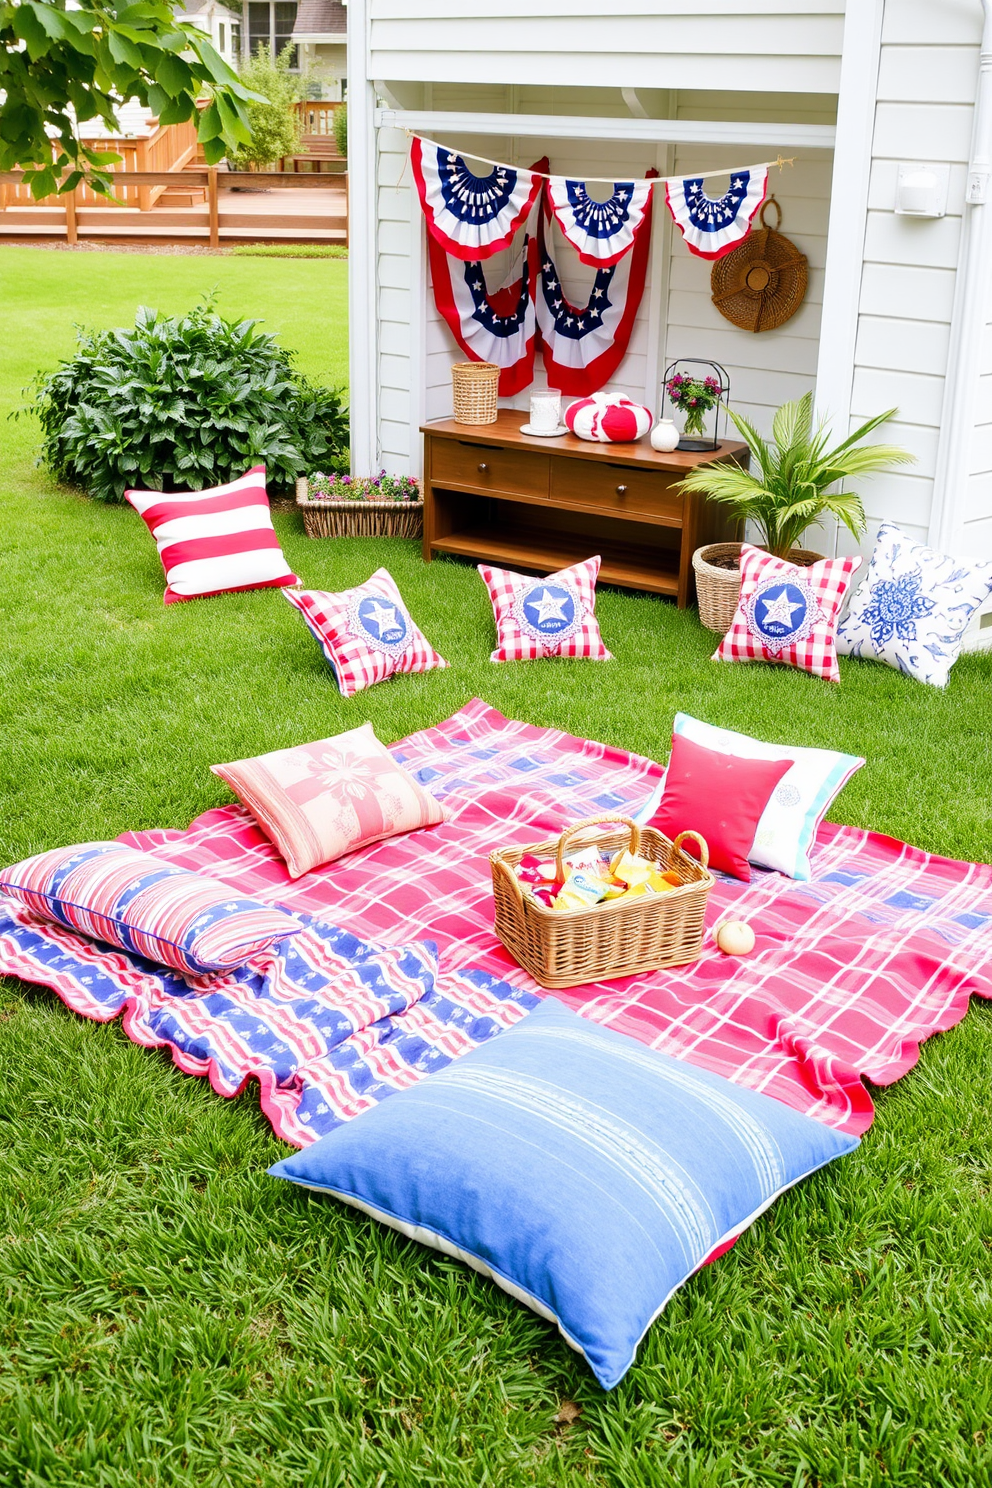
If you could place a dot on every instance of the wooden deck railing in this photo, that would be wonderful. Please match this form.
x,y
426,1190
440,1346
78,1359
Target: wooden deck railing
x,y
317,116
208,177
165,152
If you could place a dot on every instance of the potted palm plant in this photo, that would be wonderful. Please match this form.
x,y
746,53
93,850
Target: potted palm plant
x,y
786,490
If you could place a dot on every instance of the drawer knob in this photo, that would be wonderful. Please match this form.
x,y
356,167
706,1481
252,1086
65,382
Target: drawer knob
x,y
483,467
621,490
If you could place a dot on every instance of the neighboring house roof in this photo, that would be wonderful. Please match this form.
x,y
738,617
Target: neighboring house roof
x,y
321,20
213,7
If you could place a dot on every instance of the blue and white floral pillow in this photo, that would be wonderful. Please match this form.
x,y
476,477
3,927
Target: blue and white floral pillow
x,y
913,607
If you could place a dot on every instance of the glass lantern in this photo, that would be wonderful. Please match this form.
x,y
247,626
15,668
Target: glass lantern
x,y
697,391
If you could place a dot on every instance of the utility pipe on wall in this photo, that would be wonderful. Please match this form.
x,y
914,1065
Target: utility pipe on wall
x,y
972,299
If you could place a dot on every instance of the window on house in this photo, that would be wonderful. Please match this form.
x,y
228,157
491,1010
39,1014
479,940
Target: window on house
x,y
221,36
270,23
235,40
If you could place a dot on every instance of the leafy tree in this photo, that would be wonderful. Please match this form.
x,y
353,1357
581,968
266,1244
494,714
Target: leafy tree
x,y
273,123
341,129
181,403
61,66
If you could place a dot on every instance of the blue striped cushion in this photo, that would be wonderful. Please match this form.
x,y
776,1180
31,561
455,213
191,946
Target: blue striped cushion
x,y
588,1175
134,901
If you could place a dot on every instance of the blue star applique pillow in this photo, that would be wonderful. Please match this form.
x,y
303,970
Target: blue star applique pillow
x,y
553,616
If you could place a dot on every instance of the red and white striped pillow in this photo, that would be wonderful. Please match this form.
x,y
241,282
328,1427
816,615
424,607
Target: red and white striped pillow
x,y
216,541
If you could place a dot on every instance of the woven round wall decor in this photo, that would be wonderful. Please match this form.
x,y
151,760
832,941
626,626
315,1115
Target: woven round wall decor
x,y
761,284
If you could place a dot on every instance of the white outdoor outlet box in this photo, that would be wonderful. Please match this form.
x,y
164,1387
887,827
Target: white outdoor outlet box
x,y
921,190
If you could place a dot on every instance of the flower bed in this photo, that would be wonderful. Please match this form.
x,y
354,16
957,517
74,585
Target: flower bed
x,y
361,506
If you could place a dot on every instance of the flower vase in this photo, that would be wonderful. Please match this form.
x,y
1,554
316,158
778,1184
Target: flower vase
x,y
665,436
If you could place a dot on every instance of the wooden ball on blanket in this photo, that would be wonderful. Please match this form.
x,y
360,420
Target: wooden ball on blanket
x,y
735,938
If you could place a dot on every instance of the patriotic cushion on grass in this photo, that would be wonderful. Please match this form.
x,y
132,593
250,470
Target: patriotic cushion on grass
x,y
366,633
555,616
788,613
587,1175
913,606
787,827
212,542
319,801
131,900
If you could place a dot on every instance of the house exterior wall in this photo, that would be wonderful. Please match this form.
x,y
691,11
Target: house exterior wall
x,y
326,63
759,45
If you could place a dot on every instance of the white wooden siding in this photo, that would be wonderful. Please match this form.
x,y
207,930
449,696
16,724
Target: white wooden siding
x,y
757,45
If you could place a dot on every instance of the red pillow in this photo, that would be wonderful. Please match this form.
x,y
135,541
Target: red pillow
x,y
719,796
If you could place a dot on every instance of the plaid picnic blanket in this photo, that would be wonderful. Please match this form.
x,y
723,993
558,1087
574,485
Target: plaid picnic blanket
x,y
851,972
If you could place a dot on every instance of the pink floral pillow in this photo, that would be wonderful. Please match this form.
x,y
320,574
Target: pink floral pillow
x,y
365,633
788,613
555,616
319,801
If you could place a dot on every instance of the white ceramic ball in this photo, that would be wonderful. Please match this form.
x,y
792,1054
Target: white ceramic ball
x,y
735,938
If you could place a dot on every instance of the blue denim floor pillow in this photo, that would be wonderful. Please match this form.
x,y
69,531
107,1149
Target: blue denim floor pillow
x,y
587,1174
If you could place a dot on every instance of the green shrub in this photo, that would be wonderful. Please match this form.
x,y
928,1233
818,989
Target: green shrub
x,y
181,403
340,124
274,123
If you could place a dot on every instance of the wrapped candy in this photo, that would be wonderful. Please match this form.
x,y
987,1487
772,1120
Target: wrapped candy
x,y
580,891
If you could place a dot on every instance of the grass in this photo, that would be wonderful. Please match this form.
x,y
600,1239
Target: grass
x,y
289,250
169,1315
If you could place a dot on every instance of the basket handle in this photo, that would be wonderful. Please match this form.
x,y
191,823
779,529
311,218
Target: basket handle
x,y
594,821
704,852
508,874
770,202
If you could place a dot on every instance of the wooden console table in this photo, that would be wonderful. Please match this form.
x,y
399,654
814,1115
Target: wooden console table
x,y
499,496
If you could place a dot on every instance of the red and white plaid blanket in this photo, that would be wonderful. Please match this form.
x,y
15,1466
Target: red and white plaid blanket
x,y
851,971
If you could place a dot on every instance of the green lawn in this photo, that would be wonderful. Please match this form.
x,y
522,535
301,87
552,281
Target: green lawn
x,y
172,1316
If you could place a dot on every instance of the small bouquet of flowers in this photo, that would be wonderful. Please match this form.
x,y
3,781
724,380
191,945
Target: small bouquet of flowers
x,y
382,487
695,396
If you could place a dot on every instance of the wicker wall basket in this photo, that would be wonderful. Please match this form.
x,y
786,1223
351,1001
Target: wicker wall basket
x,y
717,567
565,948
359,518
475,390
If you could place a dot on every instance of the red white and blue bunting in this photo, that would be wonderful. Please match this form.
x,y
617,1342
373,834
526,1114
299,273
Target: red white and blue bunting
x,y
713,225
490,326
471,217
583,347
600,232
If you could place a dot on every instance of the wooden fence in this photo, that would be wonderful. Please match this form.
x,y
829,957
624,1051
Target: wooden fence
x,y
163,153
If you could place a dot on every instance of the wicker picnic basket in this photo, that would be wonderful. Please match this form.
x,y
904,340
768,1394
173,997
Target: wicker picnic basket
x,y
564,948
474,391
324,518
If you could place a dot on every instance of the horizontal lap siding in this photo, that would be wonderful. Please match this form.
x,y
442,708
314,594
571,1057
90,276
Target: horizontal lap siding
x,y
926,87
757,45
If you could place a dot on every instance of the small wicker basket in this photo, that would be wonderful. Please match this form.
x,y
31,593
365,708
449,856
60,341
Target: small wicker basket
x,y
565,948
475,390
717,567
323,518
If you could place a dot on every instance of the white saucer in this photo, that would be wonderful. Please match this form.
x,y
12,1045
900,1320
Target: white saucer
x,y
544,433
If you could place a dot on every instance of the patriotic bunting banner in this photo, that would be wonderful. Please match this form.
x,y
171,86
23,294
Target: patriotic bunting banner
x,y
471,217
711,225
582,348
600,232
490,327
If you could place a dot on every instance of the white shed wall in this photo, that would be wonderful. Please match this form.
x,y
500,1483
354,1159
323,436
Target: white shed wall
x,y
759,45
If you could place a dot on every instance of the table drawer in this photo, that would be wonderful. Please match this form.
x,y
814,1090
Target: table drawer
x,y
598,486
482,467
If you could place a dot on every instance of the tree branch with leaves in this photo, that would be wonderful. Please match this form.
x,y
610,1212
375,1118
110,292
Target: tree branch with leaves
x,y
61,67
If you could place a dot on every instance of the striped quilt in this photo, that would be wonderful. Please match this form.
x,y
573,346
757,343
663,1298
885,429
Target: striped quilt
x,y
851,972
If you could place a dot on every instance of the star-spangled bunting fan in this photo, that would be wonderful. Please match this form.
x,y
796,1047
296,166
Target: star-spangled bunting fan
x,y
600,232
712,225
582,348
471,217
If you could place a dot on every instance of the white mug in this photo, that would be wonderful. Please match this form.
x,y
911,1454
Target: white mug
x,y
545,410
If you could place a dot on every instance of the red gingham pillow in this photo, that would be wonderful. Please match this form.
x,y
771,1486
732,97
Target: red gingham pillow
x,y
365,633
555,616
216,541
788,613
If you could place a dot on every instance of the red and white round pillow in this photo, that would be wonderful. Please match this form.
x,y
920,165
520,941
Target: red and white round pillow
x,y
607,419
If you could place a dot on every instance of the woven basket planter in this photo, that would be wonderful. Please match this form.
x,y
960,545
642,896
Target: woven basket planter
x,y
359,518
566,948
474,392
718,580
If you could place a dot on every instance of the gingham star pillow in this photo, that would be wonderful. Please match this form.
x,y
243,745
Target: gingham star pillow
x,y
555,616
788,613
365,633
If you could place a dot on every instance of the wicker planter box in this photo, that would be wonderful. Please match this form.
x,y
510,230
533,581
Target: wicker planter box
x,y
323,518
566,948
718,581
